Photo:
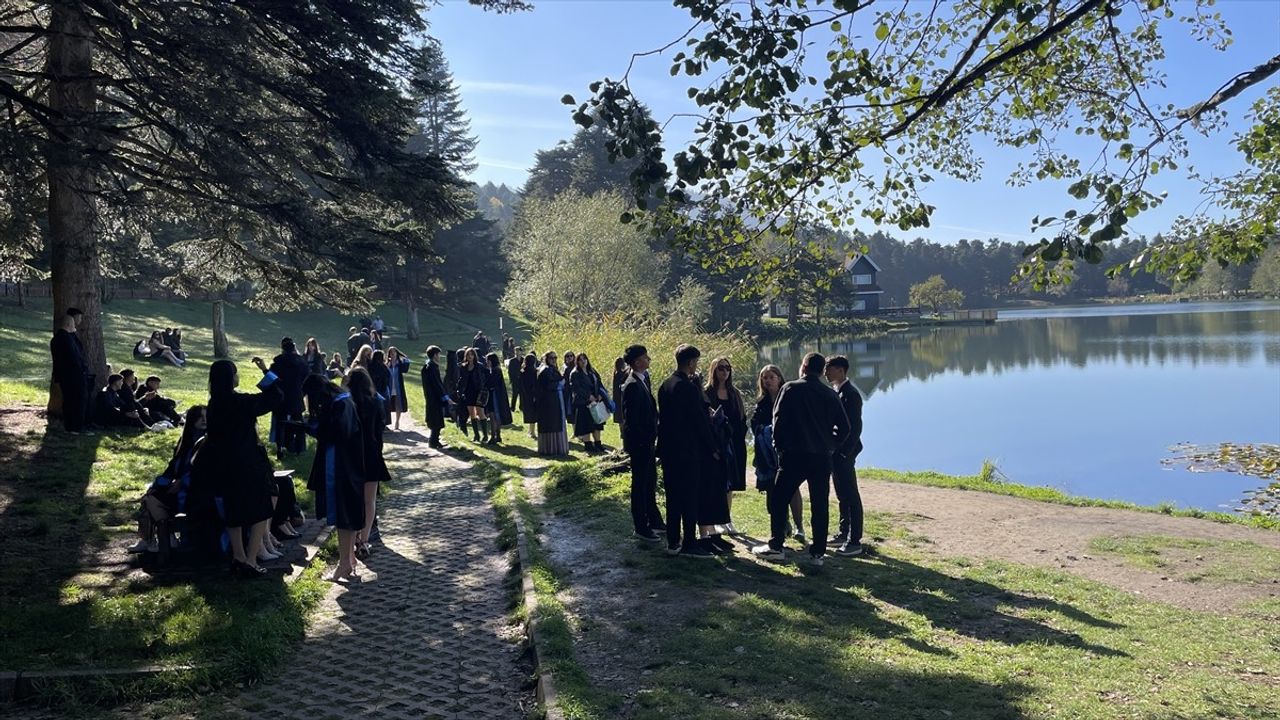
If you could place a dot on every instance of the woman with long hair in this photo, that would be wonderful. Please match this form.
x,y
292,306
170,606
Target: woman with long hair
x,y
529,393
552,439
363,356
473,380
315,358
398,401
167,495
338,472
586,390
336,367
156,347
499,407
235,464
723,396
619,377
381,376
769,385
370,410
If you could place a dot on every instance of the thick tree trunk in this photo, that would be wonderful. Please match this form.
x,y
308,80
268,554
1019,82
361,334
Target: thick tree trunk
x,y
221,349
793,311
71,176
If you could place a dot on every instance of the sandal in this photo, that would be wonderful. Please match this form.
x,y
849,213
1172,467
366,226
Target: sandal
x,y
362,551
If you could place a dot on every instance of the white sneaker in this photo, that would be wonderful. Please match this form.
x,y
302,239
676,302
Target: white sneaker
x,y
139,547
766,552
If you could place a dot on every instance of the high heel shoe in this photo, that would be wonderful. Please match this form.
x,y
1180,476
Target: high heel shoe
x,y
245,570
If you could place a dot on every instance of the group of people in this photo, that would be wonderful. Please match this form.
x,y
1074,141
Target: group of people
x,y
162,345
806,432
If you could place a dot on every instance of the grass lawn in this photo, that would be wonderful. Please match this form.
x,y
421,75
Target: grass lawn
x,y
906,633
65,501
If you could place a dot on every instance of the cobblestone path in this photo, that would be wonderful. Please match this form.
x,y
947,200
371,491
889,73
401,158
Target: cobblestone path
x,y
426,634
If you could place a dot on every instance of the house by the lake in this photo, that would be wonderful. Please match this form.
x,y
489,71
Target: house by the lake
x,y
862,296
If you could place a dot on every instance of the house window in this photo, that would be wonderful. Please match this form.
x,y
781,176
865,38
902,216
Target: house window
x,y
861,279
859,304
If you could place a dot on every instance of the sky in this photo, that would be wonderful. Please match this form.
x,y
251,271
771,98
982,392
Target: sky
x,y
514,68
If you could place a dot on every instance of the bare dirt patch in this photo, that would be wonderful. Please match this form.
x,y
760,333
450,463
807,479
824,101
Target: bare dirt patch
x,y
981,525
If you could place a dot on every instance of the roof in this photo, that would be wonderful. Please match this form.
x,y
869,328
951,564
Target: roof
x,y
853,260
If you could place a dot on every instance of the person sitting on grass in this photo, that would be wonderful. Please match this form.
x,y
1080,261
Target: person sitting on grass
x,y
167,495
116,406
157,406
157,348
336,367
128,396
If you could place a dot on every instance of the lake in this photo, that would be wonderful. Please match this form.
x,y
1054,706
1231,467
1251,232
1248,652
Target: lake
x,y
1085,399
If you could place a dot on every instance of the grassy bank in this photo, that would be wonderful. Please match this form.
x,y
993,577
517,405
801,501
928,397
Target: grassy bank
x,y
67,507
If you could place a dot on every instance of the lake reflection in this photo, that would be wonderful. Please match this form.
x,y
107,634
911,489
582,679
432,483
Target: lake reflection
x,y
1083,399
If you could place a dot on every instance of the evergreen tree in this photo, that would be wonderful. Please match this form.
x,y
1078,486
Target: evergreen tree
x,y
443,129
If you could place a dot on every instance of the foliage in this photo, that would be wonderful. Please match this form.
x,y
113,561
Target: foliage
x,y
571,258
497,203
784,139
935,295
588,164
1266,276
689,306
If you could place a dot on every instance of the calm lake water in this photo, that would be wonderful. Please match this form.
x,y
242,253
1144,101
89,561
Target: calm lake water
x,y
1087,400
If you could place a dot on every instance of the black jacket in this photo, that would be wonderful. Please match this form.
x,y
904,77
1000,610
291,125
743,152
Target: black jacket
x,y
639,413
851,400
584,384
809,418
292,369
68,358
684,428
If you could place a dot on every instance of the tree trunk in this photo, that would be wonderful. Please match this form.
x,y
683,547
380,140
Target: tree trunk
x,y
22,301
71,176
793,312
412,331
221,349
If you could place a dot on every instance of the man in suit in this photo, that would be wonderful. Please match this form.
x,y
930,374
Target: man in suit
x,y
71,372
639,416
437,398
808,425
684,439
844,477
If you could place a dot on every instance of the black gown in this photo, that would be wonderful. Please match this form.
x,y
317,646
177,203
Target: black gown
x,y
292,369
231,461
734,440
382,385
337,474
529,395
499,407
433,389
370,410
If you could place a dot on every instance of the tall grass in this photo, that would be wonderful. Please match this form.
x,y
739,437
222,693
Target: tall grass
x,y
604,340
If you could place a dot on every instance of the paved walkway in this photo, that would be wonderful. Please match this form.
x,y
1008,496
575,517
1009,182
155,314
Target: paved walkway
x,y
427,634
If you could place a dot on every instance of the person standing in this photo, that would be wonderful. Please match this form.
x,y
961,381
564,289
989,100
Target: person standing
x,y
235,464
474,382
586,391
357,339
292,369
684,443
552,439
620,374
529,393
570,364
337,474
844,476
381,376
498,410
314,357
765,460
398,402
513,376
639,434
808,425
71,372
437,398
371,411
722,395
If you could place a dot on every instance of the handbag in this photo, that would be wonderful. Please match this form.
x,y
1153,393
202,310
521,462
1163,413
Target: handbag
x,y
599,413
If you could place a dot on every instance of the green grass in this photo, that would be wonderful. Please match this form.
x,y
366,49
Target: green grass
x,y
907,634
63,499
985,481
1195,559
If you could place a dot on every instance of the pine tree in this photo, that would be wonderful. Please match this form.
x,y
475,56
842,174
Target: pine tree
x,y
443,129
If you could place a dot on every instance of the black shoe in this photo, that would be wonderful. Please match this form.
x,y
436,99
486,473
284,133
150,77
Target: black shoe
x,y
673,550
658,527
648,535
720,545
850,549
245,570
697,550
838,539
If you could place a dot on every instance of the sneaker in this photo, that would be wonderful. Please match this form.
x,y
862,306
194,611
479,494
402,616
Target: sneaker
x,y
647,534
767,552
711,545
849,549
838,540
696,551
815,560
143,546
799,537
721,544
673,550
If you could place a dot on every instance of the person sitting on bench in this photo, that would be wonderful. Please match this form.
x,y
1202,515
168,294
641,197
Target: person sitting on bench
x,y
157,348
167,496
157,406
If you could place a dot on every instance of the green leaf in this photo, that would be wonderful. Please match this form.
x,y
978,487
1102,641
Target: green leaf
x,y
568,100
882,32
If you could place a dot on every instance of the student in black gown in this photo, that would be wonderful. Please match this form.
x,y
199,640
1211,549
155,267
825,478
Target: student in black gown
x,y
159,406
337,474
234,464
287,434
722,395
167,494
316,362
529,393
770,382
336,368
71,372
116,406
436,397
356,339
620,375
552,438
473,381
397,400
514,363
844,474
570,364
129,396
381,376
370,408
686,446
498,410
586,391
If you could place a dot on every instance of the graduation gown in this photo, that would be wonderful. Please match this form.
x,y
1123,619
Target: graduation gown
x,y
398,401
231,461
337,474
370,412
382,385
433,389
499,408
529,395
292,369
551,410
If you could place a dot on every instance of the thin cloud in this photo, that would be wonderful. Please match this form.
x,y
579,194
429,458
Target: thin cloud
x,y
518,122
500,164
511,88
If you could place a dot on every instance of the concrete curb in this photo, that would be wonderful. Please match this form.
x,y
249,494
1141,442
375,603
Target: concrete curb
x,y
18,685
546,688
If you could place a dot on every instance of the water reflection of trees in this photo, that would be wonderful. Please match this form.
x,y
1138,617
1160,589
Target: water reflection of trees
x,y
1157,339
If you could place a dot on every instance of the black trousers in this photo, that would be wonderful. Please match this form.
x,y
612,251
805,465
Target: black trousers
x,y
75,404
794,470
644,488
844,477
680,475
286,501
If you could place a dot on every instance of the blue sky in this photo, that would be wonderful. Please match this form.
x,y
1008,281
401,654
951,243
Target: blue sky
x,y
514,68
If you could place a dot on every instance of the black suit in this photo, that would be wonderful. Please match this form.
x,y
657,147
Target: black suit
x,y
433,389
639,433
71,372
684,439
809,423
843,474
